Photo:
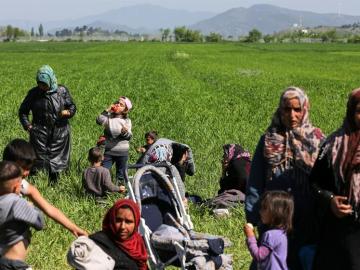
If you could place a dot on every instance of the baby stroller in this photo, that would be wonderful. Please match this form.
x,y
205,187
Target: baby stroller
x,y
167,228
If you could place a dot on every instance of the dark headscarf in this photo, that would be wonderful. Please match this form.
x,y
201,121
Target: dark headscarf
x,y
134,246
345,151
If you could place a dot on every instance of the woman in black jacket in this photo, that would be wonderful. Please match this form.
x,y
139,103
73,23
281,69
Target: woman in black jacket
x,y
51,106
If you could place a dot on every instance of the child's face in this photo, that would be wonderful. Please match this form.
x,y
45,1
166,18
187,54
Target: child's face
x,y
119,107
265,216
149,140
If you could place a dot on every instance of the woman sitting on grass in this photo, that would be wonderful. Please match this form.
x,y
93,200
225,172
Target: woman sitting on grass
x,y
119,236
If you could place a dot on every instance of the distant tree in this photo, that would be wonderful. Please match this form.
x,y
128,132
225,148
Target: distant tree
x,y
254,36
213,37
16,33
165,33
354,39
193,36
41,30
180,33
268,38
329,36
32,32
9,32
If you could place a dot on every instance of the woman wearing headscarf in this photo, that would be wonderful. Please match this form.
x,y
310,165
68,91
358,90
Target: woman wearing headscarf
x,y
120,238
235,168
336,181
283,160
51,107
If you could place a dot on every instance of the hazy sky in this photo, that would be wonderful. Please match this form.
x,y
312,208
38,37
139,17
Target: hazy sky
x,y
47,10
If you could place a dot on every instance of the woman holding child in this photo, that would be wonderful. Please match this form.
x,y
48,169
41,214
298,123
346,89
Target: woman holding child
x,y
336,181
283,160
51,107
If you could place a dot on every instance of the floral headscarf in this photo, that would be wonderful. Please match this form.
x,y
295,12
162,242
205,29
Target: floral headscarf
x,y
134,246
297,147
46,75
345,151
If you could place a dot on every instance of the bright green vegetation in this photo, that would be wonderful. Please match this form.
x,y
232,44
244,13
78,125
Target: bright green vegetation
x,y
204,95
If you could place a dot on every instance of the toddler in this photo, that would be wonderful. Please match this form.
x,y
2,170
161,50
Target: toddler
x,y
276,212
97,179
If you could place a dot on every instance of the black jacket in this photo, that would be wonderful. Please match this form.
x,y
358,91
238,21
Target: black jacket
x,y
50,133
122,260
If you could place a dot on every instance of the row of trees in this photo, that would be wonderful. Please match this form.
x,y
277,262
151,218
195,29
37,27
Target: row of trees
x,y
183,34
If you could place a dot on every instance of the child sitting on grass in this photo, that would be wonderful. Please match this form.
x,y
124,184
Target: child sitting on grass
x,y
276,212
22,153
150,138
16,218
97,179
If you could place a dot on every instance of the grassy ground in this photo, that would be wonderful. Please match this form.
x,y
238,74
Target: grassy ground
x,y
204,95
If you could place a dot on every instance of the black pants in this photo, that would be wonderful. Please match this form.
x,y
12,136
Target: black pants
x,y
339,245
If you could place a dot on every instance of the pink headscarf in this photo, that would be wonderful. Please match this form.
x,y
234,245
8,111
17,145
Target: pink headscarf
x,y
345,150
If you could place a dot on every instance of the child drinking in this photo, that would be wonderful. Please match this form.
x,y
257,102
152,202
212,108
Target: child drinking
x,y
117,132
276,212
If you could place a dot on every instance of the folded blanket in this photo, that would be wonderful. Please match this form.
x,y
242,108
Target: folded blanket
x,y
85,254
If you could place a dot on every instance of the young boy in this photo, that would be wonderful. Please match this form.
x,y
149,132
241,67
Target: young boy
x,y
97,179
22,153
16,218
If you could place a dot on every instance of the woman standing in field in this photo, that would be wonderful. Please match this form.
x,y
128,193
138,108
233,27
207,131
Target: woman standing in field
x,y
51,106
117,132
336,180
283,160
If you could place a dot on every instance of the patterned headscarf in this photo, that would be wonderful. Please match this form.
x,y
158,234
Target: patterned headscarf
x,y
345,151
297,147
46,75
134,246
235,151
160,153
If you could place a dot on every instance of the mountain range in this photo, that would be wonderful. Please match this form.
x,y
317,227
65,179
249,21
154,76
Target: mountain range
x,y
268,19
234,22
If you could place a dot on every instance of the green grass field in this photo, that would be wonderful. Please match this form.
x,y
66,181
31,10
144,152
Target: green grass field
x,y
204,95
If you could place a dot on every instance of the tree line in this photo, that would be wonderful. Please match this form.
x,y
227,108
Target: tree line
x,y
345,33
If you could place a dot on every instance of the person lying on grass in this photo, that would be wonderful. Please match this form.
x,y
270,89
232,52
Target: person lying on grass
x,y
22,153
16,218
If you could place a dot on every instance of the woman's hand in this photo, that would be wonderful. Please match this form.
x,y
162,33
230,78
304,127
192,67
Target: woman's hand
x,y
249,230
65,113
28,129
340,207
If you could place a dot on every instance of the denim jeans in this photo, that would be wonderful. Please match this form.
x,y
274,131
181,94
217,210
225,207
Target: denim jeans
x,y
120,164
